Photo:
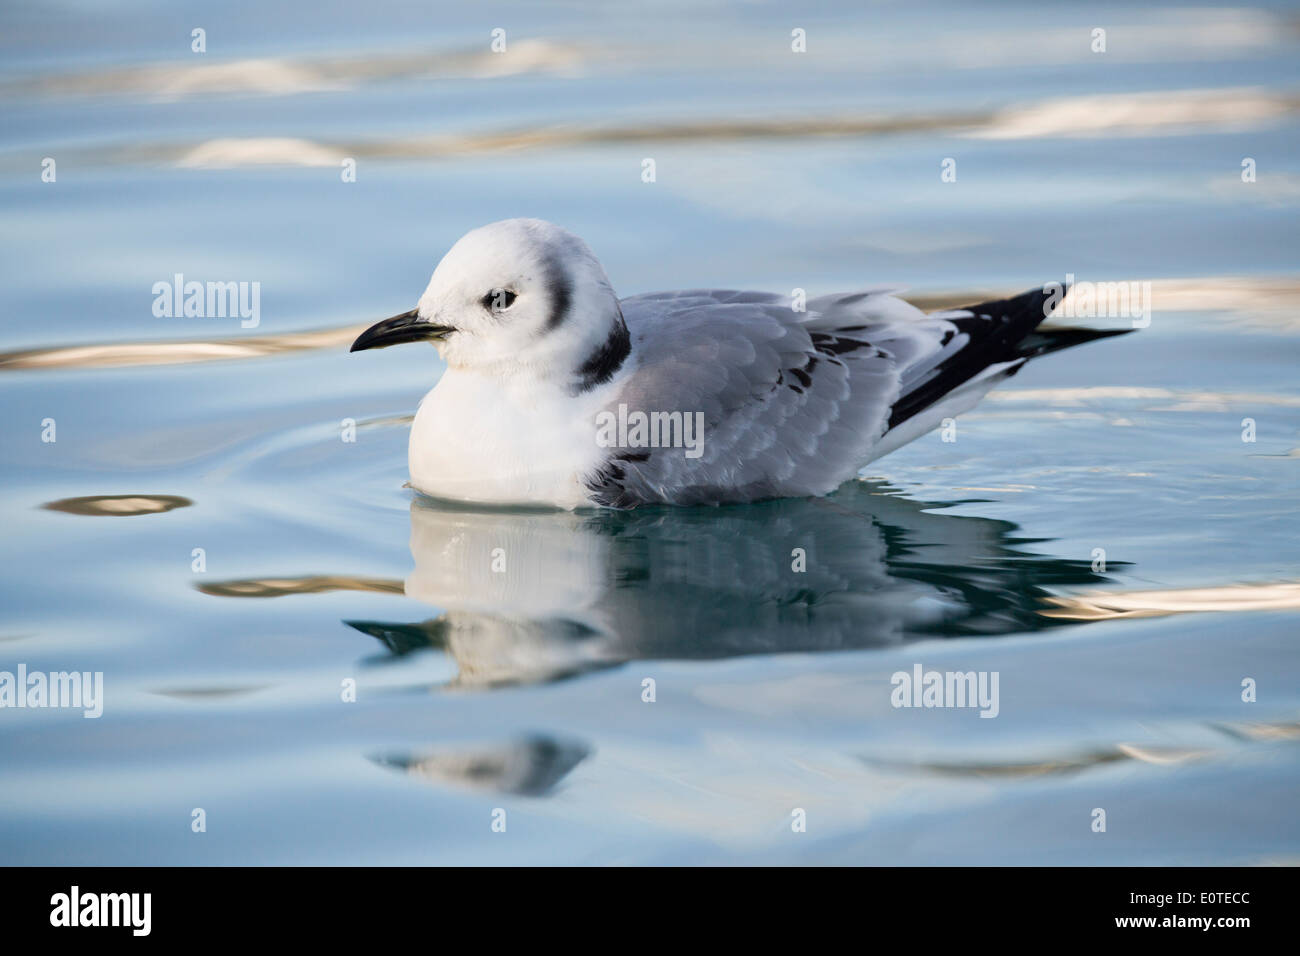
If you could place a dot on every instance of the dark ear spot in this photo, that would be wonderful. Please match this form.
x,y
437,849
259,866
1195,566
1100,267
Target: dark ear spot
x,y
557,280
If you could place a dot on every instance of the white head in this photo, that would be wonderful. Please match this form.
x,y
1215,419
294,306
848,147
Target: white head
x,y
517,297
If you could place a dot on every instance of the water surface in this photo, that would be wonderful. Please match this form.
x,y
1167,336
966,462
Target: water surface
x,y
1120,688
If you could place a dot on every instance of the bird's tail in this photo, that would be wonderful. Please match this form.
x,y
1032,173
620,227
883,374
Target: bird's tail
x,y
1041,341
1016,333
1003,334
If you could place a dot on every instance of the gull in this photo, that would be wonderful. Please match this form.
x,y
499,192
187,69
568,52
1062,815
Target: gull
x,y
558,393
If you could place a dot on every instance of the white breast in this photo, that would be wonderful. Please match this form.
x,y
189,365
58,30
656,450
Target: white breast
x,y
484,439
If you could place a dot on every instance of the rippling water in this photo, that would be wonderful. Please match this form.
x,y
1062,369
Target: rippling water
x,y
1120,688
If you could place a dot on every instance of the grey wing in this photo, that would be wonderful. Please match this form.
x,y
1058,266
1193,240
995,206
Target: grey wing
x,y
791,402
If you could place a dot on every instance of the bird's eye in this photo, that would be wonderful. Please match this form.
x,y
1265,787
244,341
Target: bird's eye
x,y
498,299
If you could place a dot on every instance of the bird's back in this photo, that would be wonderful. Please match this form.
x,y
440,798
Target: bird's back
x,y
790,401
793,403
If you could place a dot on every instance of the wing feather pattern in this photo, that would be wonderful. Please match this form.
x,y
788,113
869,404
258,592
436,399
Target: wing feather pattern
x,y
794,403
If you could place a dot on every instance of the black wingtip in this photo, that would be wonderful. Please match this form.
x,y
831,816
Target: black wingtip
x,y
1021,312
999,331
1042,341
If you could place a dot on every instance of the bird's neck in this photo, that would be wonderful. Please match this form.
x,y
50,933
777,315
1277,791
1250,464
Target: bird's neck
x,y
604,359
577,364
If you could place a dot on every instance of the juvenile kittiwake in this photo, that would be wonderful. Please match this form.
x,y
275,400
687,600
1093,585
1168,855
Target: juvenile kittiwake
x,y
559,393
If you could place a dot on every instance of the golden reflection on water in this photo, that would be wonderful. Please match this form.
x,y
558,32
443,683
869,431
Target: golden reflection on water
x,y
1139,113
176,352
118,506
1271,302
312,584
1124,114
1104,605
1155,755
288,76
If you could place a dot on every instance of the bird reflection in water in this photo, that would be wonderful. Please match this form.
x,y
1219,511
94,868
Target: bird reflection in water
x,y
529,597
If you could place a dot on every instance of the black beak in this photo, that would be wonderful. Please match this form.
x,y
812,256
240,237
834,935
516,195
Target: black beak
x,y
406,327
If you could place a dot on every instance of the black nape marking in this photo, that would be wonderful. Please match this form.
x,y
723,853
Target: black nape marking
x,y
607,359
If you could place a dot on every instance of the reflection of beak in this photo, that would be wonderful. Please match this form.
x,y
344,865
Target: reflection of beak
x,y
406,327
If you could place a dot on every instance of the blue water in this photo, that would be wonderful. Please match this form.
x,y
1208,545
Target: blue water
x,y
1121,688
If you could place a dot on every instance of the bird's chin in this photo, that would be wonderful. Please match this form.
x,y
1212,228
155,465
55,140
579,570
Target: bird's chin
x,y
452,352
